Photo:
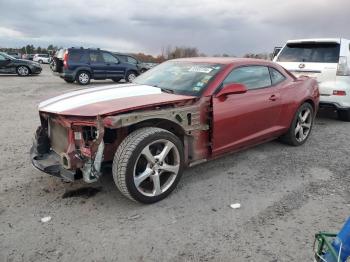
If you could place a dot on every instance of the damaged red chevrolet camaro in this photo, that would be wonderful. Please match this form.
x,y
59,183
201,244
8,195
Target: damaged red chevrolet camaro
x,y
179,114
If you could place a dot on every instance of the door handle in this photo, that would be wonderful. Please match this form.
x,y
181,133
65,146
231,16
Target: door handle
x,y
273,98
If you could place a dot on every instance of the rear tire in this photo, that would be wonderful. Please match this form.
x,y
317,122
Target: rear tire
x,y
344,115
83,77
148,164
301,126
40,61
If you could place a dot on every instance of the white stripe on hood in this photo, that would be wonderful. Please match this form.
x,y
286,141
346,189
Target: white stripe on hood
x,y
94,95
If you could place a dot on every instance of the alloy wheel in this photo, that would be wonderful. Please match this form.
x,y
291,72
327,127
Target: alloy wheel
x,y
156,168
23,70
131,77
303,125
83,78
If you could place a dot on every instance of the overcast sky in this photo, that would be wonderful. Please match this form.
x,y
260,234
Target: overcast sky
x,y
213,26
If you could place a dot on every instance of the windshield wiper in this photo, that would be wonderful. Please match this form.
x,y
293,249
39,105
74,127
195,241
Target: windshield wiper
x,y
167,90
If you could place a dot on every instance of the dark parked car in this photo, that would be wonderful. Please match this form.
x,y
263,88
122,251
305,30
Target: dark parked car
x,y
82,65
15,55
143,67
11,65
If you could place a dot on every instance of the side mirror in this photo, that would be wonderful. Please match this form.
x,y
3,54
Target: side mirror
x,y
233,88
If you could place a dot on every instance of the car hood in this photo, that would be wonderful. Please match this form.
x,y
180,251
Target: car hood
x,y
107,100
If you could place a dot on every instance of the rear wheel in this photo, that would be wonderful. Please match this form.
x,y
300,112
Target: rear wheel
x,y
23,71
83,77
344,115
40,61
301,126
148,164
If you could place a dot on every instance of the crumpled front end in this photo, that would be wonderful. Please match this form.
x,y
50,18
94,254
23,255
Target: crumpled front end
x,y
69,149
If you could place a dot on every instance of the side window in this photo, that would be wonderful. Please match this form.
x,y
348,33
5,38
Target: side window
x,y
2,58
276,76
95,57
109,58
122,58
252,77
132,60
78,56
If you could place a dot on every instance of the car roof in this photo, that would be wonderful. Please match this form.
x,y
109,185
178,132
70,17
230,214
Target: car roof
x,y
320,40
223,60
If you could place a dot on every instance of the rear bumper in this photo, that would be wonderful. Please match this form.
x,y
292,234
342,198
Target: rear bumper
x,y
49,163
333,105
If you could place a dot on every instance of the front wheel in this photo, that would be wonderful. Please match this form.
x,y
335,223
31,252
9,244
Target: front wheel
x,y
83,78
148,164
300,129
23,71
130,76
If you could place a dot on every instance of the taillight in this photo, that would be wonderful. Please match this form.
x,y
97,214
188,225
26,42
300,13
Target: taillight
x,y
339,93
343,68
65,59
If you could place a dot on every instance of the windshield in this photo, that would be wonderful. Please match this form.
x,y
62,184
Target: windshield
x,y
310,52
183,78
8,56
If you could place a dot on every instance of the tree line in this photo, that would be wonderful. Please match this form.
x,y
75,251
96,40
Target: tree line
x,y
167,53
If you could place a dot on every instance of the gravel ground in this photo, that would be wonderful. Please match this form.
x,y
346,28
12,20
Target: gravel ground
x,y
287,195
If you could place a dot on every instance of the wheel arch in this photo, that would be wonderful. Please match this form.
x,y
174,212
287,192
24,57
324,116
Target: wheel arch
x,y
162,123
80,69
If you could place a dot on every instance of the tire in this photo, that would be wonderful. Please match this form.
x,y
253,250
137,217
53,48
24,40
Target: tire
x,y
344,115
70,81
117,79
40,61
143,70
53,65
131,159
83,77
23,70
130,76
301,126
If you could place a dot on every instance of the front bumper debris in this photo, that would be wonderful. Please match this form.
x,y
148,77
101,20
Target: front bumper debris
x,y
49,163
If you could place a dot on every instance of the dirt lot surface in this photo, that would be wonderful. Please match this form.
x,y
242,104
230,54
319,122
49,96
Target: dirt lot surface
x,y
287,195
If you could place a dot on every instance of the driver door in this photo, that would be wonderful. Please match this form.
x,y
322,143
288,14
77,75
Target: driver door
x,y
241,120
113,67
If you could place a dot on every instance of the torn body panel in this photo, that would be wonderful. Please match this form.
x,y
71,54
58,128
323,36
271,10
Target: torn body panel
x,y
81,145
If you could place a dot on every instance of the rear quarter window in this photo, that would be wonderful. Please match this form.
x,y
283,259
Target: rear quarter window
x,y
78,56
276,76
310,52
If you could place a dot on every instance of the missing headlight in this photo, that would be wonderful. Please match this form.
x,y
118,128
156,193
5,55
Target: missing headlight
x,y
89,133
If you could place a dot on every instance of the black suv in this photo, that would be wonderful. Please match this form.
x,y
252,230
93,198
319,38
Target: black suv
x,y
82,65
143,67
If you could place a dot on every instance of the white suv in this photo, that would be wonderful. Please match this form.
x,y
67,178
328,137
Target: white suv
x,y
327,59
42,58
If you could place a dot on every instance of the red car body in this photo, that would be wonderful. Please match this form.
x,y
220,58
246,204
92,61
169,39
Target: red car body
x,y
208,125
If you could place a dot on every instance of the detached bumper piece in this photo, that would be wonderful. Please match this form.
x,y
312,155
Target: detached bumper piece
x,y
49,163
47,160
